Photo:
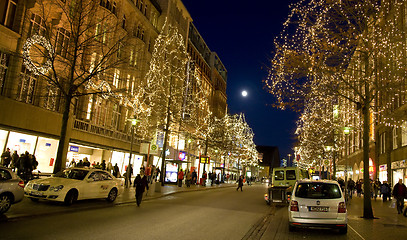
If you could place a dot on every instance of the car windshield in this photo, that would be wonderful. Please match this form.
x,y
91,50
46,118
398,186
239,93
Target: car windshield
x,y
318,190
78,174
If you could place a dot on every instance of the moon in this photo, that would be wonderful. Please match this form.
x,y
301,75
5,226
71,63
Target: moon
x,y
244,93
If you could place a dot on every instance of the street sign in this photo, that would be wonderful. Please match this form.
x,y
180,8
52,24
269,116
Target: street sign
x,y
204,159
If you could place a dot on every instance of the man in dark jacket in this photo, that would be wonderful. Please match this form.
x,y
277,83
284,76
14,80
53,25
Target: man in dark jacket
x,y
141,184
6,157
399,192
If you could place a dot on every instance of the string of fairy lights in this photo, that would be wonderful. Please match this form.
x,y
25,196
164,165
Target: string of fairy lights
x,y
342,53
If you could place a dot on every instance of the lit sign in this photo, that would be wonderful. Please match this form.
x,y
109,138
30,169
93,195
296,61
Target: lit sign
x,y
22,140
204,159
181,156
73,148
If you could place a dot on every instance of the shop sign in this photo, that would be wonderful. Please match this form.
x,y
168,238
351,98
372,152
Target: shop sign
x,y
383,168
181,156
204,159
22,140
73,149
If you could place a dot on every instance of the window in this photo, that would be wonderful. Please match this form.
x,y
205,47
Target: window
x,y
89,109
51,99
124,22
3,70
395,146
115,116
290,175
26,86
318,191
62,42
4,174
37,25
382,143
116,77
279,175
7,12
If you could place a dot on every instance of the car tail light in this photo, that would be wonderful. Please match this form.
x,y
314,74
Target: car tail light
x,y
21,183
342,207
294,206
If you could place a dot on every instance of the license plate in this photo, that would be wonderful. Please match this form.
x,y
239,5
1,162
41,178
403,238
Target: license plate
x,y
318,209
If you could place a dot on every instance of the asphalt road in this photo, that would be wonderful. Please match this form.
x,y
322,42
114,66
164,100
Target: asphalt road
x,y
222,213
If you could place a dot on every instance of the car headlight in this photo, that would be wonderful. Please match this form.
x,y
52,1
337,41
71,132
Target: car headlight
x,y
56,189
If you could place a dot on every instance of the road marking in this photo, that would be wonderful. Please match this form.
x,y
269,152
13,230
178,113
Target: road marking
x,y
356,232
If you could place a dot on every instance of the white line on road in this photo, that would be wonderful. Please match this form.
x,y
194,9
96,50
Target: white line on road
x,y
356,232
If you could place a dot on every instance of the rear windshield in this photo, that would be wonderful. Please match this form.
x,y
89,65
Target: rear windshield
x,y
279,175
318,190
290,174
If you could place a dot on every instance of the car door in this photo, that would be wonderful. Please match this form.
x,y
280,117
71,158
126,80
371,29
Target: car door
x,y
93,185
106,184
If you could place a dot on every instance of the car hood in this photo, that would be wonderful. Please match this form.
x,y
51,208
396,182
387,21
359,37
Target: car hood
x,y
54,181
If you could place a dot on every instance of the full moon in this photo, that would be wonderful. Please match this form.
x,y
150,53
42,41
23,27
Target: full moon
x,y
244,93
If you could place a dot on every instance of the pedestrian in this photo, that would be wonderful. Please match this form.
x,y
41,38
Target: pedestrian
x,y
103,165
141,184
240,184
72,163
359,187
109,167
194,176
129,172
180,177
80,163
204,176
6,158
399,192
86,162
158,172
385,191
351,187
188,178
212,177
14,159
376,188
227,177
116,172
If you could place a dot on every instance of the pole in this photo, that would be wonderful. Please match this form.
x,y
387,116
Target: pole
x,y
346,167
131,152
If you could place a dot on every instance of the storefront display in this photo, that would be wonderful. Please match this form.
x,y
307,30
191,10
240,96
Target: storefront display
x,y
171,172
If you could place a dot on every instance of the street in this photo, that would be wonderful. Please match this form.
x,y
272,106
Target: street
x,y
218,213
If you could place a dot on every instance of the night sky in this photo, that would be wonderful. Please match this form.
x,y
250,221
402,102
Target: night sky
x,y
242,33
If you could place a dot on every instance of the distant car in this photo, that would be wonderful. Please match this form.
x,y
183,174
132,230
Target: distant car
x,y
319,204
11,189
74,184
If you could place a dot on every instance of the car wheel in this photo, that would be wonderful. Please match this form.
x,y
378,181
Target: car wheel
x,y
291,228
70,197
343,230
5,203
34,199
112,195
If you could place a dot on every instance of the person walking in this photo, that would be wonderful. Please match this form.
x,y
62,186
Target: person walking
x,y
194,177
399,192
116,172
359,188
204,176
103,165
141,183
180,177
6,158
240,184
14,159
188,178
385,191
129,172
109,167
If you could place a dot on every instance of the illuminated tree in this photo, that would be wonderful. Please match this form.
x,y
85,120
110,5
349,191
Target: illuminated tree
x,y
77,50
351,50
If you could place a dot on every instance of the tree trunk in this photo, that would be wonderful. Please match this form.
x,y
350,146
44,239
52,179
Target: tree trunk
x,y
59,161
367,204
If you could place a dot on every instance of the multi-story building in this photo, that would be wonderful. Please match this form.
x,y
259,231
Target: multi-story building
x,y
98,127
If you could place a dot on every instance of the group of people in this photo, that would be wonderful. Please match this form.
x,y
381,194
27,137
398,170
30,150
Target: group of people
x,y
23,164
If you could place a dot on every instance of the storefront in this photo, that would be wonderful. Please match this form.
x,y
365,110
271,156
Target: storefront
x,y
399,171
44,149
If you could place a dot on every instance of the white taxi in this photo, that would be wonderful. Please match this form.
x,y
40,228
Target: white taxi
x,y
318,204
74,184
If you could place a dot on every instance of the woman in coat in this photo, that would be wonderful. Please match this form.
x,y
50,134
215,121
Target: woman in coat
x,y
141,184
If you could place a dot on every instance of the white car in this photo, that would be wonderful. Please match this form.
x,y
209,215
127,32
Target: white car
x,y
11,189
74,184
318,204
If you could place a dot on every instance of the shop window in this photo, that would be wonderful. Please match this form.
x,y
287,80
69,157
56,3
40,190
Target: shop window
x,y
3,70
8,12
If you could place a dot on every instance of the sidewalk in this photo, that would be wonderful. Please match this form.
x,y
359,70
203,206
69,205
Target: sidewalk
x,y
27,208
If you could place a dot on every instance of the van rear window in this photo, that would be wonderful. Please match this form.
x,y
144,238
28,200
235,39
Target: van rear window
x,y
318,190
279,175
290,174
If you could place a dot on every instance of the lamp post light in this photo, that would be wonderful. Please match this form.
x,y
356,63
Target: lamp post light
x,y
133,124
289,159
346,131
328,149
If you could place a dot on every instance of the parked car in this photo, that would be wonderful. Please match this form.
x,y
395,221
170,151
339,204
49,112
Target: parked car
x,y
319,204
74,184
11,189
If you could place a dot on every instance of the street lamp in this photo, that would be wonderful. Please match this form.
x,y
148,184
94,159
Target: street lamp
x,y
327,149
133,122
289,158
346,131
